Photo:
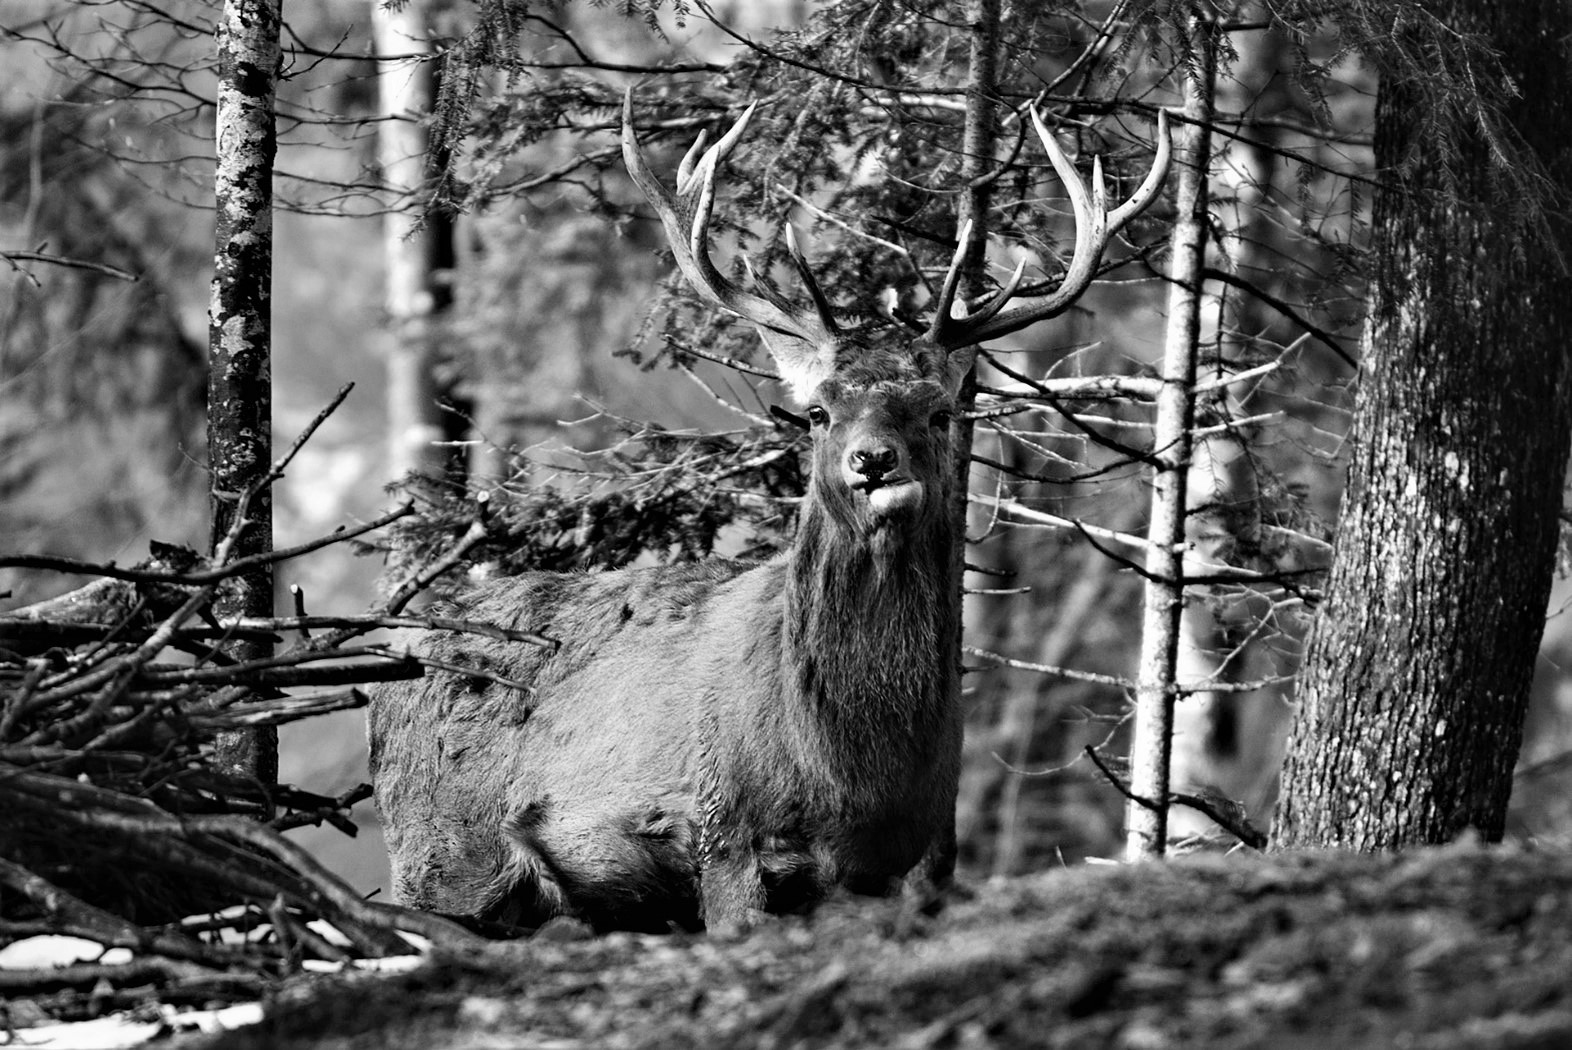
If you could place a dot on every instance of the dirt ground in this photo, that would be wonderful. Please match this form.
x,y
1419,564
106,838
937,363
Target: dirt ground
x,y
1462,947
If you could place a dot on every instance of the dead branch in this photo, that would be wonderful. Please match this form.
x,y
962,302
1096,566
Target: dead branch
x,y
117,823
479,528
1225,813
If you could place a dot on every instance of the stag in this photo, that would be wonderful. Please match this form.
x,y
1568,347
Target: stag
x,y
712,740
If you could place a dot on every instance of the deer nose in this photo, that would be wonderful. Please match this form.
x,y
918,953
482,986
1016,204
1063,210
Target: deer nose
x,y
874,463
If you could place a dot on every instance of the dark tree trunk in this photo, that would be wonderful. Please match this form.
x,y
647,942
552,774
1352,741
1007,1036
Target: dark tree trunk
x,y
1417,674
978,140
239,392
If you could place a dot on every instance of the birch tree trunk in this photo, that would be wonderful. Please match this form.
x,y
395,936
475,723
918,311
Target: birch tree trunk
x,y
1418,668
239,391
417,248
1226,740
1146,815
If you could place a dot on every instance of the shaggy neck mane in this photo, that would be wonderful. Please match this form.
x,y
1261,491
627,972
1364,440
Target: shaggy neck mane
x,y
869,636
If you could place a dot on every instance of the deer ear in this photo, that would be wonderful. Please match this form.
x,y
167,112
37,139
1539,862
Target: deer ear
x,y
802,365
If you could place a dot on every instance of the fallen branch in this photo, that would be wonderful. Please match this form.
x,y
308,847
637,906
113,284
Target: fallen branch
x,y
1225,813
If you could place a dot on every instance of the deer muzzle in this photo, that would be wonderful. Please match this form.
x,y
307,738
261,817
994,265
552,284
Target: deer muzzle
x,y
881,474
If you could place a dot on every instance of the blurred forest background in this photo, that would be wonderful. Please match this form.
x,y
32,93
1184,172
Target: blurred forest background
x,y
556,273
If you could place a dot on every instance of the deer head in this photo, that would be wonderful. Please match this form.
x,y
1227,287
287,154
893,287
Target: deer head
x,y
879,397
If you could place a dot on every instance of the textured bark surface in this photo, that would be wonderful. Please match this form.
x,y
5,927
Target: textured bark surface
x,y
1418,670
240,403
977,145
1452,949
1146,826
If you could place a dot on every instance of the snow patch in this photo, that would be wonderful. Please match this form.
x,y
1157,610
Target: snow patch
x,y
120,1030
126,1030
53,950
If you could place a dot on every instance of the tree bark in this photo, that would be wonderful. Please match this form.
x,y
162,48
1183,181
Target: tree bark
x,y
1418,669
977,160
1146,815
977,147
240,404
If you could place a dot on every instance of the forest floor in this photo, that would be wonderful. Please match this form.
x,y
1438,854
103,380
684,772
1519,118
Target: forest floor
x,y
1448,948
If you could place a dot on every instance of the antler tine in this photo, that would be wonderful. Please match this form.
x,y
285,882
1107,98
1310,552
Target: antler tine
x,y
1146,193
952,279
1002,299
1094,226
689,159
821,302
687,229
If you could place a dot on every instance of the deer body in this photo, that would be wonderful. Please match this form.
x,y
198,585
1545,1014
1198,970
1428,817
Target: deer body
x,y
764,732
713,739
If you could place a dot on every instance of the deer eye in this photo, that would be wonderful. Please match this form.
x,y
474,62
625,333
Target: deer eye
x,y
817,416
941,418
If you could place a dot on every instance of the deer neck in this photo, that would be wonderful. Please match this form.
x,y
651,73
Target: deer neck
x,y
869,634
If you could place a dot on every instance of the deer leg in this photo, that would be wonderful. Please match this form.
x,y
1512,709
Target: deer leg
x,y
731,890
929,885
616,867
530,882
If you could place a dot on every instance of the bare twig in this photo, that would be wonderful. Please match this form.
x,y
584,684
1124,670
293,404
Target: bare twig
x,y
71,915
13,257
1224,813
479,527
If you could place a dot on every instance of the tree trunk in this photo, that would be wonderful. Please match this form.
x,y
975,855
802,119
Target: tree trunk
x,y
1418,669
977,147
418,248
1226,740
239,390
1146,820
977,160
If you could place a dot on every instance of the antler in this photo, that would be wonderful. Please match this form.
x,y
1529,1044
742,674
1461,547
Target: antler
x,y
1094,225
686,217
